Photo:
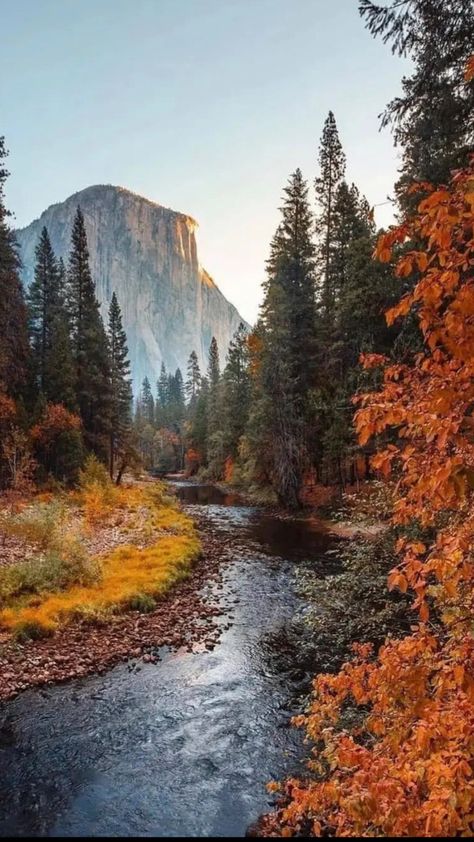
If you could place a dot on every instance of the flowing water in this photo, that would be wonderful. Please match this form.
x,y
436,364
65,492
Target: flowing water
x,y
183,747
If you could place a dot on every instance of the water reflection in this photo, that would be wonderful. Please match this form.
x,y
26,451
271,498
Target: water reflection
x,y
181,748
204,495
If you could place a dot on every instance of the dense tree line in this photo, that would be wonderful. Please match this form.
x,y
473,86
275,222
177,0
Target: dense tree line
x,y
277,411
280,412
65,387
401,764
325,296
280,409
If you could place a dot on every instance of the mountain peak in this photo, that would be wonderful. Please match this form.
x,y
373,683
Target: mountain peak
x,y
146,254
93,191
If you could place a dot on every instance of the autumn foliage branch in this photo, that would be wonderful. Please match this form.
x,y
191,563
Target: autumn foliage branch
x,y
406,769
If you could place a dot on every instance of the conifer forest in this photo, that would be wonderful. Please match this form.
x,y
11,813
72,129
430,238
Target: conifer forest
x,y
236,558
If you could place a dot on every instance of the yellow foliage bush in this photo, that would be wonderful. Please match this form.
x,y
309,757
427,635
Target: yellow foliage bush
x,y
52,571
97,495
98,502
60,558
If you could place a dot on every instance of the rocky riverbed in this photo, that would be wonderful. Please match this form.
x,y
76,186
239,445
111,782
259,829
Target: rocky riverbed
x,y
182,737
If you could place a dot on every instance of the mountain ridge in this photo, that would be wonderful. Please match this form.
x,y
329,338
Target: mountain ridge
x,y
147,254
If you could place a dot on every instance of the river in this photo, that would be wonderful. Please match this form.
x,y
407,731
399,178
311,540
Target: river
x,y
183,747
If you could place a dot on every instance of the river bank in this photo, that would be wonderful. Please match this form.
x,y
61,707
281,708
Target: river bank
x,y
339,521
186,618
183,618
184,746
172,723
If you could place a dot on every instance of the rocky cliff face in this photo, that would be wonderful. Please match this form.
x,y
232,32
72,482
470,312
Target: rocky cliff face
x,y
146,254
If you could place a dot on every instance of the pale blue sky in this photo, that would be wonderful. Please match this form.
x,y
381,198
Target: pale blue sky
x,y
205,106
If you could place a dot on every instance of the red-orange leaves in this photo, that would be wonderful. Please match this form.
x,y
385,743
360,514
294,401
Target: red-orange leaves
x,y
407,768
469,72
56,419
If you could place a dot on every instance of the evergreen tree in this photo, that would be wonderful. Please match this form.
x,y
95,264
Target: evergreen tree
x,y
138,415
288,356
215,443
147,402
163,386
162,398
198,436
169,394
53,365
256,457
121,391
60,364
236,392
89,344
177,413
213,380
43,301
193,380
213,366
177,400
364,290
332,164
350,222
14,348
432,119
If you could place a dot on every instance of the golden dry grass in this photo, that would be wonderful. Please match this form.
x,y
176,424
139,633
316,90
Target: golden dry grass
x,y
127,573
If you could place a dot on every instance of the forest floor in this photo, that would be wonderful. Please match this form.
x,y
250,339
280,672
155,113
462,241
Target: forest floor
x,y
52,629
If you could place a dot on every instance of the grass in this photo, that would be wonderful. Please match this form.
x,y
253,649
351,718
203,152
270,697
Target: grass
x,y
127,574
56,557
52,571
38,525
42,594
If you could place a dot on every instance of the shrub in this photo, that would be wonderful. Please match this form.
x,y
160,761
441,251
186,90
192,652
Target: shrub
x,y
97,494
38,525
31,630
57,440
353,604
144,603
93,473
98,502
51,572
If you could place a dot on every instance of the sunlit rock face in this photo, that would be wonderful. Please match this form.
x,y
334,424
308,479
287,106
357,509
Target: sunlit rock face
x,y
147,254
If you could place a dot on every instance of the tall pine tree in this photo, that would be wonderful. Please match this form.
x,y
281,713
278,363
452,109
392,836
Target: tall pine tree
x,y
14,348
89,344
43,302
432,121
147,402
198,437
193,380
332,164
215,444
121,387
213,379
49,328
288,356
236,391
177,400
